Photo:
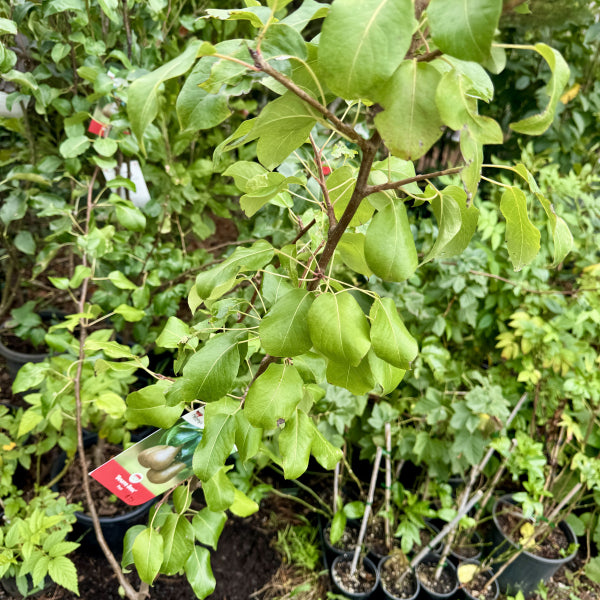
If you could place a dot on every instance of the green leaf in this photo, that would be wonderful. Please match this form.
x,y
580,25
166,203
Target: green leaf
x,y
8,27
24,242
208,526
472,152
62,571
129,313
458,109
247,437
537,124
242,505
448,217
410,123
74,146
197,108
283,330
363,42
130,217
142,96
386,375
561,235
242,171
148,554
120,281
282,127
340,185
522,237
212,284
464,28
198,572
30,375
339,328
351,250
338,524
389,246
105,146
30,419
295,442
592,569
470,445
210,373
175,332
357,379
261,189
178,542
79,275
148,406
273,396
128,540
110,9
219,492
326,454
110,403
391,340
283,40
111,349
256,15
217,438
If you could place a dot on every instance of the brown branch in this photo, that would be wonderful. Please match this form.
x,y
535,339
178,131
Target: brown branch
x,y
323,184
127,27
341,127
304,230
394,185
429,56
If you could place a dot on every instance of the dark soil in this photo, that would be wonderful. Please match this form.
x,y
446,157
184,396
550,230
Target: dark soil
x,y
426,574
361,582
375,538
467,547
477,584
549,546
395,580
347,542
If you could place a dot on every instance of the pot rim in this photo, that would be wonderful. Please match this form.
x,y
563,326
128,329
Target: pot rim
x,y
489,570
417,580
434,557
566,528
367,562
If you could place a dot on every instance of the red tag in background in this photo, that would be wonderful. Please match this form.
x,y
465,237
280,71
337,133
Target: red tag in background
x,y
97,128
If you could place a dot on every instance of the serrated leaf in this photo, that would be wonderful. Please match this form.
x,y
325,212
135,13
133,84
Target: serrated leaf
x,y
295,442
208,526
199,573
210,373
178,542
363,42
148,554
217,438
522,237
284,330
142,96
62,571
273,396
410,123
537,124
339,328
464,28
390,248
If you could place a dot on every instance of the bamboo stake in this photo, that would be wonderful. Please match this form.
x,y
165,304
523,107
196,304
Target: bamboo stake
x,y
388,485
369,504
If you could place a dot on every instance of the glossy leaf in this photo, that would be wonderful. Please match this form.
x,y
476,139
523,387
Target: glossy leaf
x,y
561,235
390,338
351,250
178,541
410,123
148,554
448,217
219,492
294,444
537,124
247,437
273,396
357,379
355,53
242,505
389,246
148,406
283,330
74,146
208,526
386,376
464,28
522,237
325,453
199,573
339,328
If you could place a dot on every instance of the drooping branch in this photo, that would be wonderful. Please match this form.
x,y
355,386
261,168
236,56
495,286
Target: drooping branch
x,y
340,126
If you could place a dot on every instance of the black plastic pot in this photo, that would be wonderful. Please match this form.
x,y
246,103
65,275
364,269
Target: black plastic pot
x,y
474,540
331,552
465,592
368,564
527,571
388,595
113,528
9,585
426,592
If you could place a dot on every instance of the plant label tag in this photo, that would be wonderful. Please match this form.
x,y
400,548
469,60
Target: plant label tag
x,y
133,172
154,465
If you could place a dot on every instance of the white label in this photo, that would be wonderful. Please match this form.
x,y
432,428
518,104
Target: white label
x,y
133,171
16,112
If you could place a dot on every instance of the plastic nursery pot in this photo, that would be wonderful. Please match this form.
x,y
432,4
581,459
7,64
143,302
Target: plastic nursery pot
x,y
467,588
427,567
331,551
9,585
389,595
113,527
344,561
526,572
471,551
